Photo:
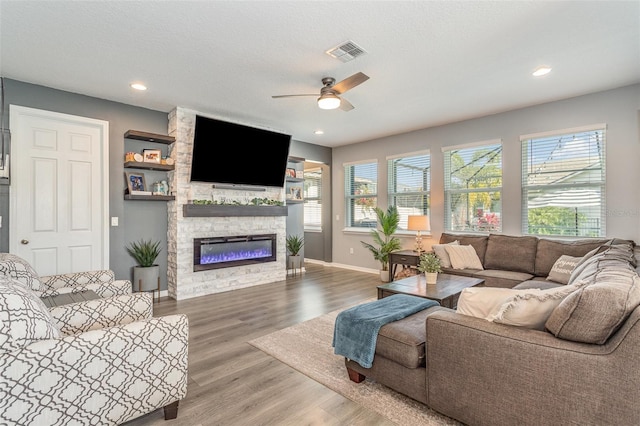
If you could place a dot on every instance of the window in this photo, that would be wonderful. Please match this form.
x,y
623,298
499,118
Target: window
x,y
313,199
361,189
473,187
563,178
409,184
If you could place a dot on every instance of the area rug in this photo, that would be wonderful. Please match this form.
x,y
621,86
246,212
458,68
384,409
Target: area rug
x,y
306,347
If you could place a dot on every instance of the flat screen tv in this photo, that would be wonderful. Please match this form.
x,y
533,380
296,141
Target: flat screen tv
x,y
230,153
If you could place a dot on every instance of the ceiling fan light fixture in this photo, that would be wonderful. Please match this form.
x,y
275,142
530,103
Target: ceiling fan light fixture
x,y
328,101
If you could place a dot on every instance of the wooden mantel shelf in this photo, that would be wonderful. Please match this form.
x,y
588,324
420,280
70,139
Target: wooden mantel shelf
x,y
213,210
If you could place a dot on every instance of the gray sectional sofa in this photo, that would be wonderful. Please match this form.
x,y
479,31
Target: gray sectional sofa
x,y
581,369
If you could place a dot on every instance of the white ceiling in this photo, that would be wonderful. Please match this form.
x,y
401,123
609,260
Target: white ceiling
x,y
429,62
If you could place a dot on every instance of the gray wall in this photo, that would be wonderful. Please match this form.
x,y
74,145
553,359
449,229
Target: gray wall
x,y
618,109
317,244
137,219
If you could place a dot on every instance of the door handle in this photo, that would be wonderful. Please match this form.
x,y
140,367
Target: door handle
x,y
24,242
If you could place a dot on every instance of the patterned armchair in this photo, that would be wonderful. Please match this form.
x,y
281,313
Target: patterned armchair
x,y
102,282
98,362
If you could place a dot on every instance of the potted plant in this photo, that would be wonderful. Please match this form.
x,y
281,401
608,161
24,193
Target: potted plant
x,y
294,244
384,241
430,265
146,276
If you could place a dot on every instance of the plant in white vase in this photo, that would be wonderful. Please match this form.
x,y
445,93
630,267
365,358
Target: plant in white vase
x,y
430,265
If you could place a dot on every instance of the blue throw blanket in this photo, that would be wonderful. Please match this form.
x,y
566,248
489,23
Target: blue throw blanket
x,y
356,330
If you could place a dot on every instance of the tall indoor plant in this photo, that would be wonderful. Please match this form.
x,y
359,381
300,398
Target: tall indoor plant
x,y
383,240
146,275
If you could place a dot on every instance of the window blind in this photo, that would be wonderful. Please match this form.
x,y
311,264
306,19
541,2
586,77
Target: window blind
x,y
313,200
409,185
563,183
361,190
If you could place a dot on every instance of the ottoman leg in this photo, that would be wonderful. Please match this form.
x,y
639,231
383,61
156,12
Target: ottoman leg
x,y
354,376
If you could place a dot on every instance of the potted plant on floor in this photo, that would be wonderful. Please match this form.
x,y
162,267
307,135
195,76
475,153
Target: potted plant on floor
x,y
384,241
294,244
430,265
146,275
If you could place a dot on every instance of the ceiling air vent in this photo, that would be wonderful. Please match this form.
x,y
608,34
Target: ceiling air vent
x,y
346,51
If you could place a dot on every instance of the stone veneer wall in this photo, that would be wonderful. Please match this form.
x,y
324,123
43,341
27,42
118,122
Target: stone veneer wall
x,y
183,282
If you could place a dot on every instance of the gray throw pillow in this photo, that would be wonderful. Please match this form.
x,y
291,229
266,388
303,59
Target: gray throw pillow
x,y
562,268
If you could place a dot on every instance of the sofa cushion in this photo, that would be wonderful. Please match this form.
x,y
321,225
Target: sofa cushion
x,y
499,278
23,316
511,253
442,254
482,302
463,257
594,312
550,250
561,270
403,341
606,256
536,282
20,270
479,242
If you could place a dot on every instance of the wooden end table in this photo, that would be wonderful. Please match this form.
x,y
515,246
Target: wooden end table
x,y
445,291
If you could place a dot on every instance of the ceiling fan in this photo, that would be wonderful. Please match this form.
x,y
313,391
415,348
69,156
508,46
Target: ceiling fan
x,y
329,98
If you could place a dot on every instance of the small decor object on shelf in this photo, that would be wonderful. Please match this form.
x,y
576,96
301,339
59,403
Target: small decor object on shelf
x,y
291,173
430,265
152,155
129,156
300,174
137,157
135,182
295,193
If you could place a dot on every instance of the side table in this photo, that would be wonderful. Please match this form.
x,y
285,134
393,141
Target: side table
x,y
402,257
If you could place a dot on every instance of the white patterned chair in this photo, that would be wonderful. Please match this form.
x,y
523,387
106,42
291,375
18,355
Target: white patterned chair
x,y
99,362
102,282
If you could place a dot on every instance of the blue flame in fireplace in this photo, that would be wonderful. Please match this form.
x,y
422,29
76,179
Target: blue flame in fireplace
x,y
235,251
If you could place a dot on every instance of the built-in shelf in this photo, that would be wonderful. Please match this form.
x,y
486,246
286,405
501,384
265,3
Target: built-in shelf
x,y
148,166
149,137
149,197
293,159
292,179
212,210
292,201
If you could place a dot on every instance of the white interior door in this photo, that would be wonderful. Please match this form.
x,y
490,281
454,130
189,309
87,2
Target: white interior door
x,y
59,191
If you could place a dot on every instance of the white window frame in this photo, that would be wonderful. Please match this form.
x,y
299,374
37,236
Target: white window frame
x,y
369,220
392,186
311,199
583,193
483,224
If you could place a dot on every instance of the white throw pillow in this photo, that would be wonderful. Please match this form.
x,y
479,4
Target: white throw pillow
x,y
561,270
532,308
440,251
463,257
483,302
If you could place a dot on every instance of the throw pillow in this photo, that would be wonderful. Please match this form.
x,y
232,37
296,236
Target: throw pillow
x,y
561,270
442,253
23,317
531,308
594,312
20,270
483,302
463,257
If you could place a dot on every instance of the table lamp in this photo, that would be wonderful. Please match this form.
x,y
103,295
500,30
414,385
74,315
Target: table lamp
x,y
418,223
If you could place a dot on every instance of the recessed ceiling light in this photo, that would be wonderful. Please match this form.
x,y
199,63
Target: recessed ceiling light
x,y
541,70
138,86
319,132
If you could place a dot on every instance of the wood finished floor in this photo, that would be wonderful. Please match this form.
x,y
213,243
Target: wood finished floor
x,y
233,383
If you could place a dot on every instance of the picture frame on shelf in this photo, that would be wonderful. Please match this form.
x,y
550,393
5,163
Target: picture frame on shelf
x,y
291,173
295,193
135,182
152,155
300,174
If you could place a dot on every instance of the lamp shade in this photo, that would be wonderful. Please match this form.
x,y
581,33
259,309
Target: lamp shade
x,y
418,223
328,101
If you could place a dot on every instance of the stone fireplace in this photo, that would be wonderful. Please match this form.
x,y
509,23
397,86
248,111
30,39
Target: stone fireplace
x,y
213,223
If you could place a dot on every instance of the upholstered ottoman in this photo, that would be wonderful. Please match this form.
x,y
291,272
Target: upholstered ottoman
x,y
400,344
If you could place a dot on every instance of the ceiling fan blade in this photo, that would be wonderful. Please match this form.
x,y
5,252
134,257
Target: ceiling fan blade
x,y
291,96
345,105
350,82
